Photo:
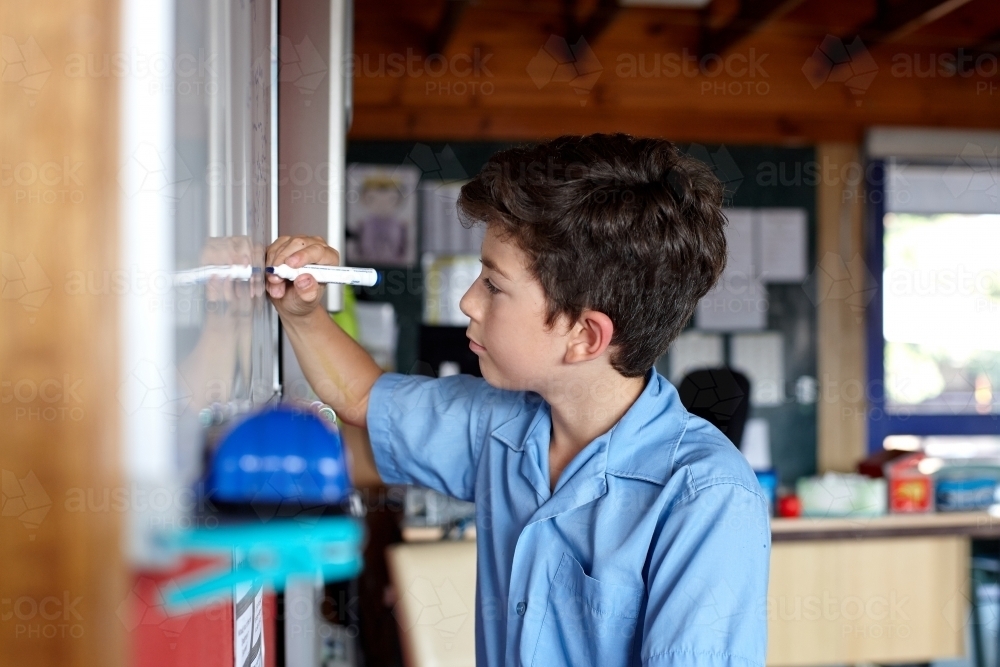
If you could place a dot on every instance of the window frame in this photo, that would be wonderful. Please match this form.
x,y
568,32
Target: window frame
x,y
880,423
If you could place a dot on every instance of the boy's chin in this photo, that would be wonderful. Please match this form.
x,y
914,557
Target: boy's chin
x,y
495,378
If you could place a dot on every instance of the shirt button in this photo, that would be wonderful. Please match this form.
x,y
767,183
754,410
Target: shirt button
x,y
521,608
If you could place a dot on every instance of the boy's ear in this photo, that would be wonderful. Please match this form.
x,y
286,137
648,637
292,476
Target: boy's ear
x,y
589,337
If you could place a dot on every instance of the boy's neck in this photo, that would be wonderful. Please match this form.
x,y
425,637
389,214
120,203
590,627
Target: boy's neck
x,y
584,409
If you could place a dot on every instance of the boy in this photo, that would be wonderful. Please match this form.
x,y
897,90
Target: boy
x,y
613,527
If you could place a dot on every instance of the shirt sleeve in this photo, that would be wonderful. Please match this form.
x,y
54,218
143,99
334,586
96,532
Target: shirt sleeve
x,y
428,431
707,582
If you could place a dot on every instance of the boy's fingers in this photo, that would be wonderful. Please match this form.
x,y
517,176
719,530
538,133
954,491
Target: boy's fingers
x,y
276,290
272,250
281,252
307,288
315,253
297,251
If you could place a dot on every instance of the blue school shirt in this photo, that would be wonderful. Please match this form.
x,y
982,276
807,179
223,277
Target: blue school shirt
x,y
652,550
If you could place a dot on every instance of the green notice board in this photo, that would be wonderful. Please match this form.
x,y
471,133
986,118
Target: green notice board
x,y
756,177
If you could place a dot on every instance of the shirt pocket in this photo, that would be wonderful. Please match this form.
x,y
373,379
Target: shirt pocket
x,y
586,621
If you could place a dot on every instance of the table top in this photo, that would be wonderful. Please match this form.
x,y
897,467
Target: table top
x,y
971,524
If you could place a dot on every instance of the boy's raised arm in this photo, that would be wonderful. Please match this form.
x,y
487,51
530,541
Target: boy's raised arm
x,y
339,370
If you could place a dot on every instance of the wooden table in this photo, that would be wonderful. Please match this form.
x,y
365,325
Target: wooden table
x,y
886,589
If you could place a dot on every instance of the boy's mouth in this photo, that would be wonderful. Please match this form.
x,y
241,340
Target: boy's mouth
x,y
474,346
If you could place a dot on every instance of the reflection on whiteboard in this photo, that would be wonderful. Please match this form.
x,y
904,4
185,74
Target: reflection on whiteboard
x,y
224,326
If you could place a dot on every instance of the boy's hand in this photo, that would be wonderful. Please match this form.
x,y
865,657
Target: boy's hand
x,y
304,295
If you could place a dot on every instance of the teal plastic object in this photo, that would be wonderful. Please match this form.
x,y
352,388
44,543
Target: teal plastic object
x,y
330,547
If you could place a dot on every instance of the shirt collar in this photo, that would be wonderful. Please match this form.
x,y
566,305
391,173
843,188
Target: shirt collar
x,y
644,441
642,445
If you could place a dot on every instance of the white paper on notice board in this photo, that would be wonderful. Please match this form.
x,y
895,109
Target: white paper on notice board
x,y
783,239
443,232
736,303
761,357
693,350
739,239
446,279
739,300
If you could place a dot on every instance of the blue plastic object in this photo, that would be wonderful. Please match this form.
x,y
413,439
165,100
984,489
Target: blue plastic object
x,y
285,458
280,455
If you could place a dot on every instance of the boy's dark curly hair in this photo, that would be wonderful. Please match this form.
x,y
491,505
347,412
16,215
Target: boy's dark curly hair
x,y
630,227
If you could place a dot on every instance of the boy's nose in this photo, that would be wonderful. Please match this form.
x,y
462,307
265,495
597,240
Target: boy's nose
x,y
468,303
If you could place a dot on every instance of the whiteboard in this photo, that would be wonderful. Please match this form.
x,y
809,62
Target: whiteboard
x,y
225,330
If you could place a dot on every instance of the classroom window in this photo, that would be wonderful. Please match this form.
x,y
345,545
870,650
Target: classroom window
x,y
934,327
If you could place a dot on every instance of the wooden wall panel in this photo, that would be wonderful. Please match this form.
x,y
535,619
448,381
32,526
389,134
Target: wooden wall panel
x,y
62,572
844,289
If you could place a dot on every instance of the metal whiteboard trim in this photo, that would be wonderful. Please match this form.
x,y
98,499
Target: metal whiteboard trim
x,y
275,159
147,140
340,27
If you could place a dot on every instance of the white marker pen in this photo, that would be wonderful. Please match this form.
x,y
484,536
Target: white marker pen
x,y
341,275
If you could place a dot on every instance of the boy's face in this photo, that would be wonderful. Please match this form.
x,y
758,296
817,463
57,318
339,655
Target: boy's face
x,y
507,308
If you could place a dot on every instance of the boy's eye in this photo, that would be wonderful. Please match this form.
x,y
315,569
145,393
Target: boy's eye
x,y
490,286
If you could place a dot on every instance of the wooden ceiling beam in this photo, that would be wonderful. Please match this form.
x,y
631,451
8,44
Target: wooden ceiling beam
x,y
895,22
589,29
447,25
989,44
751,17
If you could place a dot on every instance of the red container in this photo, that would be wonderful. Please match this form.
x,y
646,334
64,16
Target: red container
x,y
910,491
